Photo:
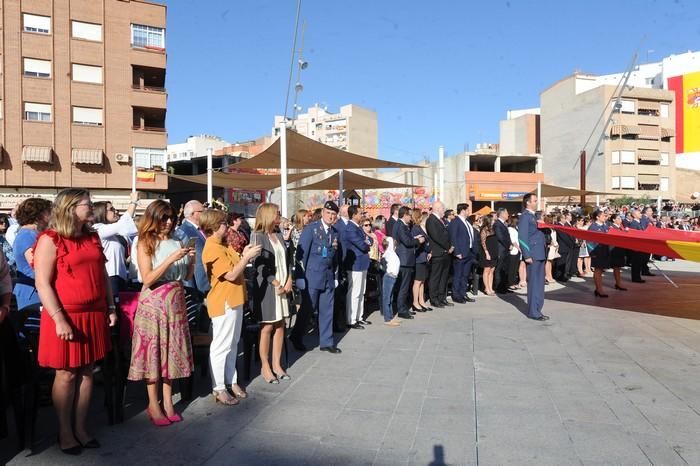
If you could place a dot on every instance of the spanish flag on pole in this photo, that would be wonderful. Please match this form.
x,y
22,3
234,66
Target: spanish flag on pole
x,y
145,177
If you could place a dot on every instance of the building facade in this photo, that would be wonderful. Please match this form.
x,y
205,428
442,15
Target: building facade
x,y
83,97
353,128
636,155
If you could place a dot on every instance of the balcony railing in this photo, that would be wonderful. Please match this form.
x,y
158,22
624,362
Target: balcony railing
x,y
147,88
154,129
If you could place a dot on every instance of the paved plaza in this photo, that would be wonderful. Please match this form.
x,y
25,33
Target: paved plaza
x,y
473,384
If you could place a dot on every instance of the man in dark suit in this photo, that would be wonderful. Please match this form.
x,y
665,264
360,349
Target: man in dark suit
x,y
393,218
533,247
500,275
463,239
646,220
637,259
356,246
566,248
406,250
318,256
342,288
190,229
441,259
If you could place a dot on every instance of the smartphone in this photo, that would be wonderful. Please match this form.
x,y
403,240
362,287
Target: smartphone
x,y
191,243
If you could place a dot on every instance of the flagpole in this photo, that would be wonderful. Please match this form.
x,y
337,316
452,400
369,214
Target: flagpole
x,y
210,177
133,174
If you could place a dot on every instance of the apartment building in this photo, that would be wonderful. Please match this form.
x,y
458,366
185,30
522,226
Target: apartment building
x,y
637,154
353,128
82,97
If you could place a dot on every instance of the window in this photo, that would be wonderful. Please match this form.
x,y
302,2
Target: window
x,y
87,31
35,23
628,182
37,112
627,106
87,73
615,182
663,110
664,158
627,156
145,157
87,116
37,68
147,37
663,185
615,158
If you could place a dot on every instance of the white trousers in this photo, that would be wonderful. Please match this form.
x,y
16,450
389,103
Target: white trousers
x,y
355,297
223,351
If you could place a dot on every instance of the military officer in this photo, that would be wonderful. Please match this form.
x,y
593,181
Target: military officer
x,y
533,245
318,253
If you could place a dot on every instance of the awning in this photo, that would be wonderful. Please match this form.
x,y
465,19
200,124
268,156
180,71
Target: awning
x,y
668,133
36,154
252,181
550,190
649,132
649,156
87,156
648,105
306,153
352,180
648,179
622,130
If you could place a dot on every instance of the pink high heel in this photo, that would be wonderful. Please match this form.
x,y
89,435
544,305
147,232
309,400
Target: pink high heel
x,y
174,418
158,422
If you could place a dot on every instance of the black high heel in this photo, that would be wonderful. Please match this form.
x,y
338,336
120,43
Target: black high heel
x,y
600,295
73,451
427,308
418,309
620,288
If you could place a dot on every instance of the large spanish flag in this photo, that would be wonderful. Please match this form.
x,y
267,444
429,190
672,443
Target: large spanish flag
x,y
661,242
687,90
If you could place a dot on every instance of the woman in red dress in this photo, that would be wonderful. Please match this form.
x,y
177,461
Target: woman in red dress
x,y
77,309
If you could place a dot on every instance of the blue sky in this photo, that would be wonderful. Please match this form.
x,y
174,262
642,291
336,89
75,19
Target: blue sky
x,y
439,72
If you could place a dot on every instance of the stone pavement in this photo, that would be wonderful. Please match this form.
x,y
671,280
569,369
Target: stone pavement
x,y
475,384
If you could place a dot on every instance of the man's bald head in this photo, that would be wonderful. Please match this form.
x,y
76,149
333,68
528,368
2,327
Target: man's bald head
x,y
438,208
343,212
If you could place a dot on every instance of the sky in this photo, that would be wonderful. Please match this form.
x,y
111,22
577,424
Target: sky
x,y
436,72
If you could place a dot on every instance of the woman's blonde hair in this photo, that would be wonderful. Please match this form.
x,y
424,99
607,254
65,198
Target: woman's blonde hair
x,y
265,217
210,220
416,214
63,213
299,219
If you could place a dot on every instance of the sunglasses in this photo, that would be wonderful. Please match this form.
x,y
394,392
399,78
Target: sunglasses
x,y
366,225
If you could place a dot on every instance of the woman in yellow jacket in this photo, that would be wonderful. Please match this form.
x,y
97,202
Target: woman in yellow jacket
x,y
224,267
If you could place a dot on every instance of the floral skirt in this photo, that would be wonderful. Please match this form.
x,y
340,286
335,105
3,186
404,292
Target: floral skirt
x,y
161,347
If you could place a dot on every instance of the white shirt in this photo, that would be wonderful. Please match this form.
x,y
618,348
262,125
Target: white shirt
x,y
513,233
393,264
113,249
11,232
469,230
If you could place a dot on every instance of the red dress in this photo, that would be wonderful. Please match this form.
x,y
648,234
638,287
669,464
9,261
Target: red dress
x,y
79,283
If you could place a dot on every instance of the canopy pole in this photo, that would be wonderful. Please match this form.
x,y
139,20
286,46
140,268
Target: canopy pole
x,y
133,174
210,174
436,195
341,187
441,159
597,200
658,206
283,167
539,195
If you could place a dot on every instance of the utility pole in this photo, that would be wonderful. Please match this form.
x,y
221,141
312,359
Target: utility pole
x,y
582,180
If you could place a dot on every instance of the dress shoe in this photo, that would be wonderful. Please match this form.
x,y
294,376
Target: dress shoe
x,y
331,349
649,274
356,326
460,301
620,288
437,306
405,315
365,322
600,295
447,303
469,300
541,318
639,281
299,346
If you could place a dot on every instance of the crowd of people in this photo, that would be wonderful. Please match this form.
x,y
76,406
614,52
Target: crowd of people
x,y
66,263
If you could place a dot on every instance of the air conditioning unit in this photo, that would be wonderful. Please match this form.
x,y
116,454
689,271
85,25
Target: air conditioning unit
x,y
122,158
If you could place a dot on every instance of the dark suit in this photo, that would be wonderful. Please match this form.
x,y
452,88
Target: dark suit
x,y
533,246
440,261
463,238
566,248
355,263
390,223
317,254
342,288
183,233
500,275
406,246
637,259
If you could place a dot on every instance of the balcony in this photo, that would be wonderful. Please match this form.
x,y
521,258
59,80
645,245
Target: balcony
x,y
148,79
148,119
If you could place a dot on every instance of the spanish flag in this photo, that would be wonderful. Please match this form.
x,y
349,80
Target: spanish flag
x,y
146,177
687,90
